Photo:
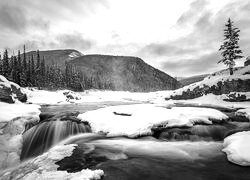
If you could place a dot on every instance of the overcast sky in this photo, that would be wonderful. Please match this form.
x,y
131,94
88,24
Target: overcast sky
x,y
180,37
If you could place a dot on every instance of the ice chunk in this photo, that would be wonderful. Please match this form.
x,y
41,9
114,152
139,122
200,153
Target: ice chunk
x,y
237,148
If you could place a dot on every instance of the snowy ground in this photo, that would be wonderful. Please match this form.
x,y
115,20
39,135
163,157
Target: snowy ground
x,y
59,97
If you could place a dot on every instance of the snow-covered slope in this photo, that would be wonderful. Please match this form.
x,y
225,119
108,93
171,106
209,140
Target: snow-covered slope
x,y
219,83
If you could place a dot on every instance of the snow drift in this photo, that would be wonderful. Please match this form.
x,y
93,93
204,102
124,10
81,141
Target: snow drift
x,y
136,120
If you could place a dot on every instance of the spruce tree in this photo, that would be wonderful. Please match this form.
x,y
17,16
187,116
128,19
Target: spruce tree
x,y
1,65
5,70
32,70
230,47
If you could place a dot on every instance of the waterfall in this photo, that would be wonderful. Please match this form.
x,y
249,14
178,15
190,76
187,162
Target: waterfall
x,y
41,137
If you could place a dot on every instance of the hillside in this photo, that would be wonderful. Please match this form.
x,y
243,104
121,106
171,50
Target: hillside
x,y
190,80
217,83
119,72
125,73
57,57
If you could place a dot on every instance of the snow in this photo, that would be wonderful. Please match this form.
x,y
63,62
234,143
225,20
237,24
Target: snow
x,y
43,167
11,111
60,97
135,120
244,112
237,148
45,97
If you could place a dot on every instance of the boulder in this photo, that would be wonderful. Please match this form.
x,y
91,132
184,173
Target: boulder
x,y
10,91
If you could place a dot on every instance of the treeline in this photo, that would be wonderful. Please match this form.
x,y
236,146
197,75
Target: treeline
x,y
32,71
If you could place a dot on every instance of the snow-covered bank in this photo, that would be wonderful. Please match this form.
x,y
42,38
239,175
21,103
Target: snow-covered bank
x,y
135,120
44,167
217,84
13,118
237,148
66,96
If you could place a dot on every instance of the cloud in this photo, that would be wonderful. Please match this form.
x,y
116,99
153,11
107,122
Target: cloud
x,y
195,8
205,38
12,18
165,49
193,66
75,40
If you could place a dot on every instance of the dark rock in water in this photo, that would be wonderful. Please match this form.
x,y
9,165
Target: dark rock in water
x,y
214,132
19,94
10,90
62,116
219,108
80,159
6,94
48,132
236,117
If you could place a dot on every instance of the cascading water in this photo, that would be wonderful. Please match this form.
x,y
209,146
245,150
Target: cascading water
x,y
41,137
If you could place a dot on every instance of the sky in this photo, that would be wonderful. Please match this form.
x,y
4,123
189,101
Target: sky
x,y
179,37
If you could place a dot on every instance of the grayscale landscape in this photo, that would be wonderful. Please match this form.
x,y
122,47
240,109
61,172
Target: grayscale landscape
x,y
124,89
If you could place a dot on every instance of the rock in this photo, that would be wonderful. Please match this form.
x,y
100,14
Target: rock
x,y
214,132
10,91
71,95
225,87
247,62
236,97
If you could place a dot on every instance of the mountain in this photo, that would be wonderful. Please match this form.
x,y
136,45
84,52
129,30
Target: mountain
x,y
190,80
58,57
121,72
126,73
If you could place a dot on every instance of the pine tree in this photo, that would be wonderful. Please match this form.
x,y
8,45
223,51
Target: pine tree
x,y
24,59
28,74
14,69
19,68
32,70
5,70
38,70
24,69
1,65
230,47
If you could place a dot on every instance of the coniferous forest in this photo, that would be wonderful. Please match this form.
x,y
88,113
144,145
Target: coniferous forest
x,y
33,72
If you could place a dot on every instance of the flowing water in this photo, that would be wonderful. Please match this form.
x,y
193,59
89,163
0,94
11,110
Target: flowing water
x,y
128,159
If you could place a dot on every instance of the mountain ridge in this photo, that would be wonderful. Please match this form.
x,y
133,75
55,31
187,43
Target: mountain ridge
x,y
122,72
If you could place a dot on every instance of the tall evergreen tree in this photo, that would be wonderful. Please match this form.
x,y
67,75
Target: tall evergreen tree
x,y
24,59
19,68
37,59
28,73
230,49
1,65
32,70
5,68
